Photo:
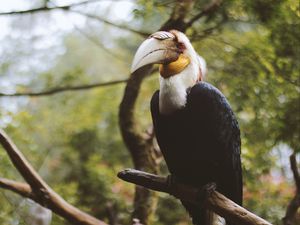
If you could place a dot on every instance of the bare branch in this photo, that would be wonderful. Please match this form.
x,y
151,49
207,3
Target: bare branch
x,y
20,188
41,192
69,9
209,8
52,91
22,165
213,200
45,8
120,26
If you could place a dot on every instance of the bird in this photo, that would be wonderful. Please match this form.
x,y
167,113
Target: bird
x,y
195,127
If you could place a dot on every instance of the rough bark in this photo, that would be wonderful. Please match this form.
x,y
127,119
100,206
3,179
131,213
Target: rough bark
x,y
207,196
139,146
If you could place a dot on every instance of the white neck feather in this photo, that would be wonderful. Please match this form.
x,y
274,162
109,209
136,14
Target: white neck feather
x,y
173,95
173,90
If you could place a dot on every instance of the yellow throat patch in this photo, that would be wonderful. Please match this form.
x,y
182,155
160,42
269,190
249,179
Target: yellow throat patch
x,y
175,67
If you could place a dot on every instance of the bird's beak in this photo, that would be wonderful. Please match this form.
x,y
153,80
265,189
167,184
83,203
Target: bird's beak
x,y
159,48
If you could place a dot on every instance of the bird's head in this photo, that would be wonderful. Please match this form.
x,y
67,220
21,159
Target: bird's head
x,y
172,50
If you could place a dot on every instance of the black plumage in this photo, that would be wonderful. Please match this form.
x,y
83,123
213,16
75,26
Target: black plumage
x,y
201,144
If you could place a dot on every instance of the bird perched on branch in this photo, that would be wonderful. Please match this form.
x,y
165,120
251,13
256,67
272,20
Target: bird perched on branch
x,y
195,127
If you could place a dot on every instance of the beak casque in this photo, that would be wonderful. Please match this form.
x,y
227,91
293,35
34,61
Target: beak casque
x,y
159,48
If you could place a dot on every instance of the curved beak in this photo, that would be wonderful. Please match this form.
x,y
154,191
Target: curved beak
x,y
155,50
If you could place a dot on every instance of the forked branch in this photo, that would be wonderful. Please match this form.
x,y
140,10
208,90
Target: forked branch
x,y
212,199
38,190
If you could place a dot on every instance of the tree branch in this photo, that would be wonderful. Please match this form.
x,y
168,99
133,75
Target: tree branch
x,y
69,8
20,188
21,164
179,13
120,26
294,168
45,8
209,8
138,146
213,200
208,31
52,91
40,191
294,204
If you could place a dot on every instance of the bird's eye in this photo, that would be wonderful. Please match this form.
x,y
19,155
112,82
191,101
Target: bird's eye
x,y
181,46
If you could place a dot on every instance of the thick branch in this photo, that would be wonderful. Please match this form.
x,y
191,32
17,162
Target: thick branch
x,y
40,191
294,204
52,91
214,200
131,135
291,210
294,168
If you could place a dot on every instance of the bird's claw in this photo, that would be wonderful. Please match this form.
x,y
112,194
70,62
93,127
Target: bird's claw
x,y
205,192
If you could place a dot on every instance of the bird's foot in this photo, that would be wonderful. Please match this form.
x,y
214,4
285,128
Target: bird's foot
x,y
205,192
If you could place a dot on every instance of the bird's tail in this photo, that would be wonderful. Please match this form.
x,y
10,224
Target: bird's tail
x,y
202,216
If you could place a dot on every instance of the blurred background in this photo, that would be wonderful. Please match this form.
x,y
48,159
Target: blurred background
x,y
72,137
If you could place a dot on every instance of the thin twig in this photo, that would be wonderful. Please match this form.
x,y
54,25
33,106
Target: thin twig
x,y
45,8
208,31
213,5
120,26
57,90
69,9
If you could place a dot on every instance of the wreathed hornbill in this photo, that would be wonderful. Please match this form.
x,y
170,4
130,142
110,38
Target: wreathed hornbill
x,y
195,127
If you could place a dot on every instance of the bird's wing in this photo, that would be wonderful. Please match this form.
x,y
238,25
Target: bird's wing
x,y
219,119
